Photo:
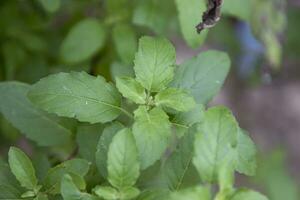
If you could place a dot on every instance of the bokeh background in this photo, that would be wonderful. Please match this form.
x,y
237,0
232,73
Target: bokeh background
x,y
261,36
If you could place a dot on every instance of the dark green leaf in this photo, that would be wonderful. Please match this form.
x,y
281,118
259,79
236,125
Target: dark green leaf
x,y
203,75
83,41
44,129
78,168
87,138
178,170
103,144
125,42
79,95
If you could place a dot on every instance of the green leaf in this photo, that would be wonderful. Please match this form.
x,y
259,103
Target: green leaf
x,y
110,193
203,75
195,193
245,194
131,89
175,99
79,95
103,144
246,154
155,15
215,142
8,180
9,192
50,5
22,168
78,168
28,194
178,170
238,9
41,164
129,193
44,129
152,132
118,69
274,175
125,42
184,120
106,192
69,191
83,41
190,13
87,138
154,194
41,196
154,63
122,160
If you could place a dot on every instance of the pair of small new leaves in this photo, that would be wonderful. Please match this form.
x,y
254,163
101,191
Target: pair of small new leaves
x,y
170,97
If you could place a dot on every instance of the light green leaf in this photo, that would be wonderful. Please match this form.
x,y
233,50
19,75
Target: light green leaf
x,y
155,15
238,9
203,75
78,168
131,89
152,132
79,95
44,129
122,160
87,138
176,99
184,120
195,193
103,144
248,195
22,168
50,5
129,193
214,143
69,191
246,154
28,194
125,42
178,170
41,196
154,63
190,13
106,192
83,41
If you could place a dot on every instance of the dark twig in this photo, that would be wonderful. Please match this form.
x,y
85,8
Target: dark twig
x,y
211,16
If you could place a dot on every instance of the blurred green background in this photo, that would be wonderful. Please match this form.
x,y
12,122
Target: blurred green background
x,y
41,37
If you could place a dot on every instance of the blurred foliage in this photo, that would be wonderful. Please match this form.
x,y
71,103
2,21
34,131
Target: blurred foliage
x,y
273,176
